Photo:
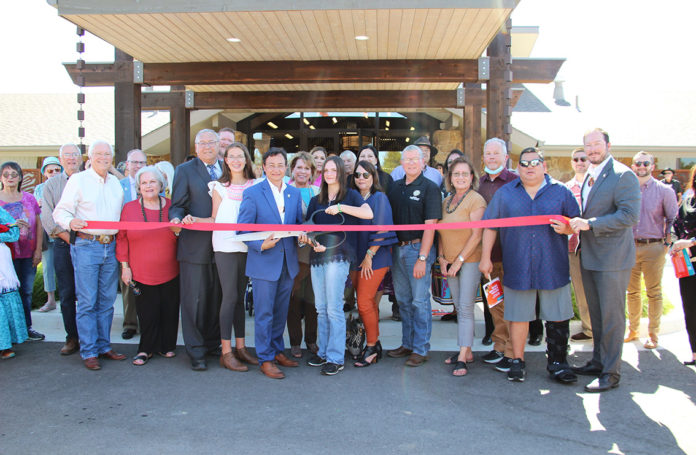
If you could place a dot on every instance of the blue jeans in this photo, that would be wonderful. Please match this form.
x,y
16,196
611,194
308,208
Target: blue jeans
x,y
96,278
26,272
414,298
62,259
328,283
49,270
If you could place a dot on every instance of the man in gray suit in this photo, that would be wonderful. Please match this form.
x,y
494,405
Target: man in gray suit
x,y
610,208
199,282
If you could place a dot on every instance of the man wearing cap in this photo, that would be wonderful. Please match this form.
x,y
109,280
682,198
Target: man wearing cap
x,y
429,152
136,159
51,166
93,195
669,179
658,209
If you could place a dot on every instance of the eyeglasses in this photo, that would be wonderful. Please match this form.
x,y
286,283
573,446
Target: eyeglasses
x,y
207,144
140,163
461,174
582,159
70,154
10,175
411,160
362,175
53,171
642,163
531,163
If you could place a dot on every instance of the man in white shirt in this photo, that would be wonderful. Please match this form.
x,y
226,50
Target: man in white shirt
x,y
93,195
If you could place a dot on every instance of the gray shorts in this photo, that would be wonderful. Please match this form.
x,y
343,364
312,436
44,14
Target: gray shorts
x,y
554,305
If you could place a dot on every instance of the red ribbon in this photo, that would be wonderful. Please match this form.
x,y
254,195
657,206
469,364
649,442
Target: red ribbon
x,y
534,220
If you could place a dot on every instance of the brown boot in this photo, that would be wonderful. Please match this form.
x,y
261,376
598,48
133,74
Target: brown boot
x,y
282,359
399,352
271,370
227,360
632,335
243,355
71,346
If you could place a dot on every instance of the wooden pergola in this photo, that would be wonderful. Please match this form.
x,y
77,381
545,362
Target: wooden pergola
x,y
305,55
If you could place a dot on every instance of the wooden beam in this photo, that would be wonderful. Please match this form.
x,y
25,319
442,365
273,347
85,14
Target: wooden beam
x,y
305,72
472,128
499,93
127,108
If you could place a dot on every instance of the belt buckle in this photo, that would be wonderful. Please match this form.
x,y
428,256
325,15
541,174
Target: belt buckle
x,y
104,239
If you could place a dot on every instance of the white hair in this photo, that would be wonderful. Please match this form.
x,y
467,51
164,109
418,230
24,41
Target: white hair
x,y
69,144
166,168
497,140
207,131
413,148
95,143
348,153
128,155
154,171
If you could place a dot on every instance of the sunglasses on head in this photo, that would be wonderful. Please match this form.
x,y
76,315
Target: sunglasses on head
x,y
582,159
642,163
363,175
531,163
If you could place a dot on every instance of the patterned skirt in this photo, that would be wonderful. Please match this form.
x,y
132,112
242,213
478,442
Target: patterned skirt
x,y
13,326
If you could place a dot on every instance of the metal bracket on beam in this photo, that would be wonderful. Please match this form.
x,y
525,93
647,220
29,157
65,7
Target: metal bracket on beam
x,y
137,72
461,96
484,68
188,99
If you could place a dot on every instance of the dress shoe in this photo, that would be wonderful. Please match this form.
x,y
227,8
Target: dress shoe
x,y
651,343
284,361
71,346
271,370
632,335
415,360
215,352
603,383
589,369
229,361
581,336
92,363
112,355
535,340
199,365
128,334
243,355
486,341
399,352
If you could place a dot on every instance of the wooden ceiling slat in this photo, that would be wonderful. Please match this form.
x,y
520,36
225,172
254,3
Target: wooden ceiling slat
x,y
382,34
249,31
324,29
394,33
303,34
263,33
470,24
371,29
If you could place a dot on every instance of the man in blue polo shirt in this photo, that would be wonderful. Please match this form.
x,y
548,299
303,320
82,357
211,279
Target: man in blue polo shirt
x,y
535,262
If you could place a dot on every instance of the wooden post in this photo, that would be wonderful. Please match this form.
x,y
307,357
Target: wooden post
x,y
179,127
498,88
472,124
127,129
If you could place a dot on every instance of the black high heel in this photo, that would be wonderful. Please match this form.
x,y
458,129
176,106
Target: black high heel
x,y
369,351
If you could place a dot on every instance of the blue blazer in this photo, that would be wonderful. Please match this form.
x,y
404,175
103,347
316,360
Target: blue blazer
x,y
127,196
259,206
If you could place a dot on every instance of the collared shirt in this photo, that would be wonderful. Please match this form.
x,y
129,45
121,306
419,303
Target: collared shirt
x,y
487,188
658,209
674,184
430,173
52,191
576,187
90,197
414,203
133,192
593,172
278,196
534,257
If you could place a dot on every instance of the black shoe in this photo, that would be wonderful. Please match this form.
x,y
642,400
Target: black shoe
x,y
603,383
215,352
493,357
503,365
561,372
449,317
199,365
486,341
370,351
517,372
589,369
33,335
580,336
330,369
535,340
316,361
128,334
396,316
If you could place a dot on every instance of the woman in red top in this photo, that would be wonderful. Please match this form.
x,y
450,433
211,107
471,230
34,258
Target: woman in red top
x,y
148,260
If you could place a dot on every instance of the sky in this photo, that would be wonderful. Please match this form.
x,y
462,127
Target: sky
x,y
622,56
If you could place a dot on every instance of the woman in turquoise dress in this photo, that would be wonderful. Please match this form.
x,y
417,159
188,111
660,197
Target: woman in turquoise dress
x,y
13,326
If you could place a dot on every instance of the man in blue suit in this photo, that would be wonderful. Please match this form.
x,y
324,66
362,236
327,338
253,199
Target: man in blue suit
x,y
272,263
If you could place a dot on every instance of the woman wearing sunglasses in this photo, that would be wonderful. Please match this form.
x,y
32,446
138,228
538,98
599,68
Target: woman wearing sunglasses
x,y
330,261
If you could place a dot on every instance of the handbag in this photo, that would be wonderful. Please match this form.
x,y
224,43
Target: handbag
x,y
439,287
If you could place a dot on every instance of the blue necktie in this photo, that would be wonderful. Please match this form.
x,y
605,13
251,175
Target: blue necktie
x,y
212,172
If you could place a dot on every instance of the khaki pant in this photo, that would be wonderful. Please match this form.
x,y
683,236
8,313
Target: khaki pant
x,y
580,299
501,332
650,261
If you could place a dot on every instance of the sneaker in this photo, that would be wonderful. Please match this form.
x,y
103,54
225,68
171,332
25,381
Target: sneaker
x,y
493,357
316,361
330,369
517,371
33,335
503,365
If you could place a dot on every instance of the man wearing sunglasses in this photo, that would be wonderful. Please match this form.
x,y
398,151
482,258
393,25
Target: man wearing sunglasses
x,y
535,262
610,209
658,209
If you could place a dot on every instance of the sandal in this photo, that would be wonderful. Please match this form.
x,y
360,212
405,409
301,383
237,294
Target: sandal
x,y
455,358
167,355
7,354
459,366
141,359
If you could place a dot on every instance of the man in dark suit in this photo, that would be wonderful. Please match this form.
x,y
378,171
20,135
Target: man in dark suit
x,y
610,208
200,286
272,263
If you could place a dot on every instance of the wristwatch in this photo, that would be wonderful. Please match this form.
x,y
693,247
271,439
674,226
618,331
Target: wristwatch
x,y
461,259
421,258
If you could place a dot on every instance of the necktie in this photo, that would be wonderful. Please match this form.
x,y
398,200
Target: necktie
x,y
211,171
